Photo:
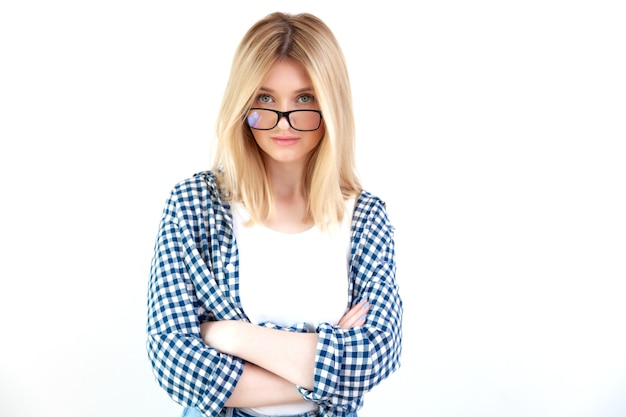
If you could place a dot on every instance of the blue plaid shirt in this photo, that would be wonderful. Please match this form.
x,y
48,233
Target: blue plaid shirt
x,y
194,278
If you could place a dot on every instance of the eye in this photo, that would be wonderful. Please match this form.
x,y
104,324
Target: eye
x,y
264,98
305,99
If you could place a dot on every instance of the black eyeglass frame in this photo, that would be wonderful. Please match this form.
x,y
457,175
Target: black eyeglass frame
x,y
286,115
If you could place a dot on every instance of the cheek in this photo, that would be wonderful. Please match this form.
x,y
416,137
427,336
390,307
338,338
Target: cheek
x,y
314,140
321,132
257,137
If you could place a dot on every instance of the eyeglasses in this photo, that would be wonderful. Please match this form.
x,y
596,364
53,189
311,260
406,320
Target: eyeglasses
x,y
267,119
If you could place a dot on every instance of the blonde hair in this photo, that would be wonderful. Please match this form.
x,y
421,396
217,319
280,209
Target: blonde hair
x,y
331,175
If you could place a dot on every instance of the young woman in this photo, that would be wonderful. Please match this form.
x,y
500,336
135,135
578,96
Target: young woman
x,y
272,288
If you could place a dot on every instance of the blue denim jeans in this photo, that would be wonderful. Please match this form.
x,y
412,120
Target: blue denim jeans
x,y
194,412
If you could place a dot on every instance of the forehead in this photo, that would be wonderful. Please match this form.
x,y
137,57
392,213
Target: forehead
x,y
286,76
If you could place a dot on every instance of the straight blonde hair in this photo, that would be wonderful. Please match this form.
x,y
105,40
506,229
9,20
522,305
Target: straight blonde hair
x,y
331,175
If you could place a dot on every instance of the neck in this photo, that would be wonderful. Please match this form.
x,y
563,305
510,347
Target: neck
x,y
287,181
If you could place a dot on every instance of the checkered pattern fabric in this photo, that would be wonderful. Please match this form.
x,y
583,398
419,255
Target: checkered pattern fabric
x,y
194,278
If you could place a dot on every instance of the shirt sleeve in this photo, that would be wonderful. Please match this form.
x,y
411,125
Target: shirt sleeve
x,y
351,362
192,374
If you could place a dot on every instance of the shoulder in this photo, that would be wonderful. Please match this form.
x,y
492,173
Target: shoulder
x,y
370,213
368,205
199,183
196,194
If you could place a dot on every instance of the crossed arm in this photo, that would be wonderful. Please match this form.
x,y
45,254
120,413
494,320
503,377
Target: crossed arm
x,y
276,361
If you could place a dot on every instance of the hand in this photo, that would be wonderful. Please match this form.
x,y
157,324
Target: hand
x,y
355,316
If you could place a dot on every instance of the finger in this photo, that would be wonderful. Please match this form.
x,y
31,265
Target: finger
x,y
355,316
355,321
354,311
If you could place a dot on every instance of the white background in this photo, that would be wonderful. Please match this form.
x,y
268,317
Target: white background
x,y
494,130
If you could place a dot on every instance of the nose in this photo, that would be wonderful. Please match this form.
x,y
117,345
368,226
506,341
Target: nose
x,y
283,121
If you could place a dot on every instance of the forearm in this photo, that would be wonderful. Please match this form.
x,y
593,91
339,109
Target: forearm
x,y
258,387
290,355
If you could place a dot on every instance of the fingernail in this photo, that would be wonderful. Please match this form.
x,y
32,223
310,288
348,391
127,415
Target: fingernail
x,y
365,306
357,301
362,318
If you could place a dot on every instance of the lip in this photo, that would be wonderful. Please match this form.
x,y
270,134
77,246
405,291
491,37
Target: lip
x,y
285,140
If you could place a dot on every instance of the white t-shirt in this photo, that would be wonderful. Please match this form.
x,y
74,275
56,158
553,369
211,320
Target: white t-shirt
x,y
292,278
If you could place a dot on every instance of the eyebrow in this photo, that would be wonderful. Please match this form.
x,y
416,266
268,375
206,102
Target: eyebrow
x,y
300,90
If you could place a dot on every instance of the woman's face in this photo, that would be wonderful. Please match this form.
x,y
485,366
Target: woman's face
x,y
286,87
